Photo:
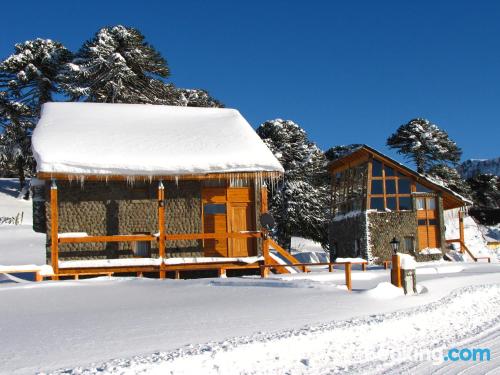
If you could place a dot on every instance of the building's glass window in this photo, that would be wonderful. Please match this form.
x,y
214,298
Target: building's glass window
x,y
377,187
431,203
377,204
389,171
376,168
420,203
404,186
422,189
409,244
214,208
422,222
405,203
390,186
433,222
391,203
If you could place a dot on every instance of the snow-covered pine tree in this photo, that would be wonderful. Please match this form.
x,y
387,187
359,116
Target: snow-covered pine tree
x,y
30,73
116,66
450,178
196,98
425,144
485,190
300,203
337,152
15,139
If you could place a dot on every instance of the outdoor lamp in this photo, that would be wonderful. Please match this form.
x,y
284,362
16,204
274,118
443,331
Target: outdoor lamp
x,y
395,245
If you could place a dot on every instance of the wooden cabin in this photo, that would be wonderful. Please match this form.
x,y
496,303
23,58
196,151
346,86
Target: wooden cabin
x,y
375,198
146,188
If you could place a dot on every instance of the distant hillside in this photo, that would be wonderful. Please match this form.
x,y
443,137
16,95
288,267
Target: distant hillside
x,y
470,168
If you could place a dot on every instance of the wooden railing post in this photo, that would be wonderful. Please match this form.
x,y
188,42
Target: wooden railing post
x,y
54,230
161,225
264,271
461,230
348,280
396,271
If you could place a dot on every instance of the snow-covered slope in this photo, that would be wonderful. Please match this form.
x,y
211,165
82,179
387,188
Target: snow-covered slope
x,y
19,244
471,167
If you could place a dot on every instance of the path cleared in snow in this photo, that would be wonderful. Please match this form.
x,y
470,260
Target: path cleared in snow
x,y
367,345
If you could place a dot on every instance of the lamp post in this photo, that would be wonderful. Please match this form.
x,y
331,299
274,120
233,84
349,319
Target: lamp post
x,y
396,265
394,245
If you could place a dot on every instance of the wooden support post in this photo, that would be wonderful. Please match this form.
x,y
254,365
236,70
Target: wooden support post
x,y
265,254
54,230
263,200
76,276
348,280
221,272
38,276
461,230
396,271
330,267
264,272
139,274
363,266
161,225
177,275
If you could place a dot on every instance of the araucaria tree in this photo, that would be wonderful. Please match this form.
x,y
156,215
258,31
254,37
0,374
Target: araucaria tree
x,y
116,66
425,144
300,202
31,73
449,177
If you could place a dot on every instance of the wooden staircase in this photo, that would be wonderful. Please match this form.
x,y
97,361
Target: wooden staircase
x,y
281,267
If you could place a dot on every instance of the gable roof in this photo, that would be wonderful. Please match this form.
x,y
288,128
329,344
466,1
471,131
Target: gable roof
x,y
451,199
147,140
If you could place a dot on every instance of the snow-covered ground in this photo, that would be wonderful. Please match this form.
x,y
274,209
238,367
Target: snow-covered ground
x,y
287,324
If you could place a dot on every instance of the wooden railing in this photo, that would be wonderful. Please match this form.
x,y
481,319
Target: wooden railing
x,y
285,254
463,247
347,268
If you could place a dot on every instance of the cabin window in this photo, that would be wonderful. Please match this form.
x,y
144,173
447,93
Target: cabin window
x,y
376,168
405,203
433,222
391,203
420,203
377,204
214,208
422,222
390,186
377,187
404,186
409,244
389,171
422,189
431,203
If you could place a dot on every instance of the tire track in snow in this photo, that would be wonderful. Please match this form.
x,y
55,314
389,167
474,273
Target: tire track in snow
x,y
369,345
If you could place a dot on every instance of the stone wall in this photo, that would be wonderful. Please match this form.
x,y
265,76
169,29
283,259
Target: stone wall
x,y
100,208
384,226
344,233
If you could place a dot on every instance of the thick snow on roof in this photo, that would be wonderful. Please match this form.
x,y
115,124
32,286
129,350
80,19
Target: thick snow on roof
x,y
147,140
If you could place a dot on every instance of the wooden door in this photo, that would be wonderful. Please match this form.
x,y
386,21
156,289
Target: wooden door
x,y
241,220
215,223
429,235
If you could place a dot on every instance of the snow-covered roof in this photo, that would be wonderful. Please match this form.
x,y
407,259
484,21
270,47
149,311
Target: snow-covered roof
x,y
147,140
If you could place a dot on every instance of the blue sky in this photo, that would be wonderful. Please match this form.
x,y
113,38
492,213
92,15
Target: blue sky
x,y
347,72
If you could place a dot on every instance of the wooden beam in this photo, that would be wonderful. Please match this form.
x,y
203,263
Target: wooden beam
x,y
196,177
54,228
118,238
161,224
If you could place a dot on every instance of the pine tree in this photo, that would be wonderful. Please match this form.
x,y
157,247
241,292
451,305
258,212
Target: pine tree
x,y
31,73
300,203
337,152
424,143
485,191
450,178
15,139
116,66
